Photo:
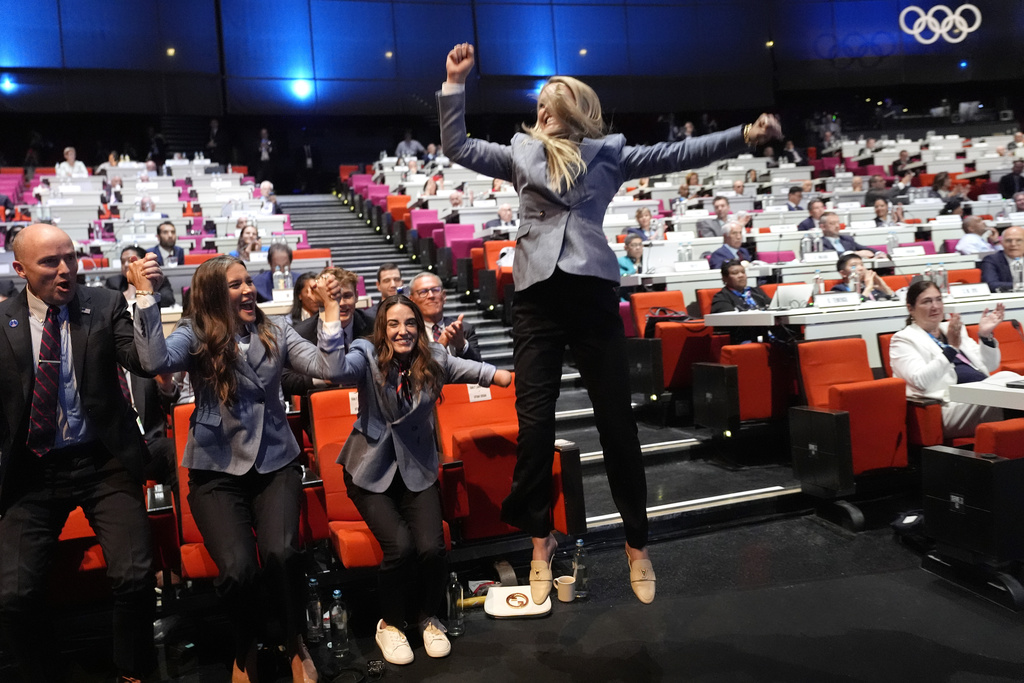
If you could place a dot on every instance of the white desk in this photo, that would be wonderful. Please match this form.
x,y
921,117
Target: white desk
x,y
987,394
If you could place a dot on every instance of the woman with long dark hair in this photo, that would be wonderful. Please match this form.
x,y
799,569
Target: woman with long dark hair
x,y
390,462
244,477
566,170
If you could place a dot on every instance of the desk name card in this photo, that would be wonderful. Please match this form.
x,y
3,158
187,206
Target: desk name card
x,y
974,289
835,299
916,250
820,257
685,266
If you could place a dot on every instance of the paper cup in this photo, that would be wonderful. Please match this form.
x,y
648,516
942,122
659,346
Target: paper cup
x,y
566,586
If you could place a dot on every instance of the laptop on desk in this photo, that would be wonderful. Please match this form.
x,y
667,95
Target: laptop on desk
x,y
791,296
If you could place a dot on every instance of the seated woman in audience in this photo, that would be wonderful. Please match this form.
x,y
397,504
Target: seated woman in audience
x,y
305,303
931,355
390,462
71,167
883,217
751,176
642,229
249,240
870,284
430,189
108,165
942,187
630,262
245,480
692,178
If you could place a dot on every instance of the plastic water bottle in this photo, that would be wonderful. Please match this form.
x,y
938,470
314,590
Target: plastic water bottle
x,y
816,242
280,281
580,571
689,251
1017,269
854,282
314,613
339,627
805,245
287,274
928,273
941,280
819,282
892,241
456,614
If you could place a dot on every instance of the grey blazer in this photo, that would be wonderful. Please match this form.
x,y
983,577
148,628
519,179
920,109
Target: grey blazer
x,y
383,441
563,229
254,431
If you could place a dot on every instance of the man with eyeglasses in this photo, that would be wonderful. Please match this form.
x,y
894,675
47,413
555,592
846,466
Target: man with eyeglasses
x,y
997,268
428,294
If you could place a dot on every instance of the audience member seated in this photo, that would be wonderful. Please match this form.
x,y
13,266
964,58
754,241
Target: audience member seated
x,y
739,188
731,248
643,227
899,166
692,179
1018,201
409,147
1016,146
815,208
714,227
147,209
868,148
389,282
796,195
504,219
883,217
870,284
249,240
427,292
942,187
6,208
790,154
431,154
121,284
631,262
455,199
751,175
737,296
279,257
769,154
978,238
878,190
304,302
111,193
1012,183
931,355
430,188
71,167
167,246
107,166
996,269
954,206
856,184
832,239
268,200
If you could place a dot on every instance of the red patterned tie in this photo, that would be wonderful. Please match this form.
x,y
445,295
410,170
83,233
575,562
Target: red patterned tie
x,y
43,419
122,379
437,332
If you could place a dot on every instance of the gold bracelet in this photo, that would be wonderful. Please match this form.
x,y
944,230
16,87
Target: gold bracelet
x,y
746,134
143,292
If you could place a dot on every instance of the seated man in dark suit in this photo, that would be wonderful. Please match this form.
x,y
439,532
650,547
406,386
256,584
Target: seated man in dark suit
x,y
832,239
279,256
737,296
713,227
796,195
1012,182
815,208
870,284
455,199
732,246
996,269
427,292
167,245
389,281
504,220
121,284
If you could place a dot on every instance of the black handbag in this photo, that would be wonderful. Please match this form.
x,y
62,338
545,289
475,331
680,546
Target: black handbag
x,y
660,314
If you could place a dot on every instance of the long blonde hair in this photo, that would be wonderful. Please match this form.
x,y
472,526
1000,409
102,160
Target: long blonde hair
x,y
581,114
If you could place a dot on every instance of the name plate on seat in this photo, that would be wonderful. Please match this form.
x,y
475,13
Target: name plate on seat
x,y
835,299
284,295
685,266
970,290
916,250
353,403
820,257
478,393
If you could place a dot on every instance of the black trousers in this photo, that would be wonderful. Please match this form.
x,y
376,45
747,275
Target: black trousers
x,y
40,493
583,313
409,529
260,576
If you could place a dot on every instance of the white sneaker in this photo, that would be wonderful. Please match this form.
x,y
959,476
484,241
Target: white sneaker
x,y
435,642
393,644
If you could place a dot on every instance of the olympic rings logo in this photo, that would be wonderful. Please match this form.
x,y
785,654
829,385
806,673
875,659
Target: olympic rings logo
x,y
940,29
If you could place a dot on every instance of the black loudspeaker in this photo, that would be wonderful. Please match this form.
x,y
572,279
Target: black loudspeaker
x,y
974,503
716,396
1006,115
820,443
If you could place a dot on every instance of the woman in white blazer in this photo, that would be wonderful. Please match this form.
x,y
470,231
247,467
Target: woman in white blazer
x,y
931,355
241,455
390,462
566,171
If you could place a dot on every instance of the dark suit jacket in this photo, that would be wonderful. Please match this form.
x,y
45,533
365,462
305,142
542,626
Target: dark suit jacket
x,y
725,300
496,223
722,254
472,352
101,338
297,384
805,224
996,272
151,406
178,251
1009,184
848,244
119,283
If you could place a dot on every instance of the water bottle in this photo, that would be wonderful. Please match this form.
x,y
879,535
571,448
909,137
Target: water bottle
x,y
456,615
280,282
1017,268
805,245
314,613
339,627
819,282
816,241
941,281
892,241
287,272
928,273
854,281
689,252
580,571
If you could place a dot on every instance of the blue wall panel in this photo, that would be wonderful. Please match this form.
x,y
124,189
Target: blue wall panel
x,y
31,37
601,31
264,39
425,32
350,39
516,39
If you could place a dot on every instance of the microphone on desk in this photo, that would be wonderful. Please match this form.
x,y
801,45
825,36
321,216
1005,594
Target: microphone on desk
x,y
1016,326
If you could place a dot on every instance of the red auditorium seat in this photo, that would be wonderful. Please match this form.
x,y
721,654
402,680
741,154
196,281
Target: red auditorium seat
x,y
1005,439
461,408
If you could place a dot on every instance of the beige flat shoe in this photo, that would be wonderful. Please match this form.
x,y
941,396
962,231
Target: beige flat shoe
x,y
540,579
641,579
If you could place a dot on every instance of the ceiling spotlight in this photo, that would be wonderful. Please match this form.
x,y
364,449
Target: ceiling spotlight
x,y
583,52
389,54
170,52
770,43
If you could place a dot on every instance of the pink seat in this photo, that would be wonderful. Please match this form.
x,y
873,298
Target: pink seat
x,y
460,231
426,229
463,248
776,256
360,286
417,216
949,246
359,182
830,163
627,318
376,192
